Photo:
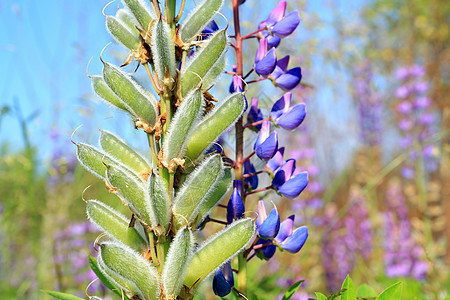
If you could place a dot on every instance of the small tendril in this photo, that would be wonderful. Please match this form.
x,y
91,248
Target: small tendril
x,y
103,10
71,137
101,53
87,288
98,126
225,20
250,212
96,242
87,67
82,194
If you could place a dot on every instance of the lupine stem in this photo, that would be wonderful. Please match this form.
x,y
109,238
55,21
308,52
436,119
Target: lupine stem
x,y
151,144
253,174
180,12
151,238
253,33
257,80
247,158
256,123
259,190
152,80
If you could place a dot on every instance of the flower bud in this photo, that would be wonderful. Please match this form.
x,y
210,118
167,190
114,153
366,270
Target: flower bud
x,y
223,280
235,207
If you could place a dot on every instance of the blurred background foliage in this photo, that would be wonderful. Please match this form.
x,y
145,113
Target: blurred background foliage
x,y
376,143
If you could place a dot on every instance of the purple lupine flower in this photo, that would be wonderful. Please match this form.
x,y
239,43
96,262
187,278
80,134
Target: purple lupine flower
x,y
223,280
254,114
283,173
296,240
266,144
287,182
265,61
269,228
252,181
280,24
276,161
286,116
284,78
285,230
209,29
235,207
266,252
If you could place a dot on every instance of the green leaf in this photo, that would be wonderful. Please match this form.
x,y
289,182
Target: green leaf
x,y
394,292
348,289
62,296
94,266
365,291
321,296
292,290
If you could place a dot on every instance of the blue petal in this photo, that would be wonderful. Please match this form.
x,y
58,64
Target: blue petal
x,y
287,25
228,273
293,118
285,229
235,207
273,41
221,286
284,173
269,228
296,241
254,114
266,150
294,186
265,252
252,180
267,64
290,79
281,106
276,161
277,13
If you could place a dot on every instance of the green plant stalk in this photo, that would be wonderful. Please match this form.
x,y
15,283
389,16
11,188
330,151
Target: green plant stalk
x,y
151,143
180,12
156,260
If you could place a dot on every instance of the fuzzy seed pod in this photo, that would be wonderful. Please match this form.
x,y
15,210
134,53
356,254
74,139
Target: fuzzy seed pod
x,y
128,20
163,50
121,33
106,93
158,199
94,160
141,12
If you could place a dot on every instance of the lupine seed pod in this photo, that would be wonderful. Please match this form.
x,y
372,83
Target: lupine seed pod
x,y
131,189
222,117
106,93
129,270
121,33
195,189
159,202
220,190
118,149
163,49
177,260
114,224
187,114
128,20
218,249
216,71
202,62
142,103
94,160
199,18
141,12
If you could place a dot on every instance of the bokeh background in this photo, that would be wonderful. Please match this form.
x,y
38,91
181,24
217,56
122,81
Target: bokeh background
x,y
376,143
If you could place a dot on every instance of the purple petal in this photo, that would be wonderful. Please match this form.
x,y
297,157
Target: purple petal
x,y
294,186
281,106
266,252
285,229
283,64
296,241
210,29
254,114
287,25
269,228
235,207
267,149
263,134
284,173
293,118
221,286
277,13
276,161
267,64
262,214
290,79
262,50
273,41
252,180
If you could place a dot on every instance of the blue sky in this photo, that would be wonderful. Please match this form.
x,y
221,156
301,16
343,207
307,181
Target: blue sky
x,y
45,47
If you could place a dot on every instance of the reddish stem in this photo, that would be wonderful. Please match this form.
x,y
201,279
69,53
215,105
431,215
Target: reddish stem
x,y
256,123
260,190
253,174
253,33
256,80
248,157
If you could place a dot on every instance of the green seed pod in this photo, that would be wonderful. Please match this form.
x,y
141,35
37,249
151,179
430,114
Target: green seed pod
x,y
218,249
163,50
131,189
128,20
129,270
142,103
188,113
195,189
203,61
94,160
118,149
157,191
104,91
176,264
114,224
222,117
121,33
141,12
199,18
221,190
216,71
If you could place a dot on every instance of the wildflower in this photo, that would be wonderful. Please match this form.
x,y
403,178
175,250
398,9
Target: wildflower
x,y
267,143
286,116
284,78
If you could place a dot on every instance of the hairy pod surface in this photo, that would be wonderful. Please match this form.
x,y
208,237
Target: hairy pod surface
x,y
142,103
218,249
178,258
106,93
185,117
121,33
118,149
128,20
131,189
94,160
195,189
219,191
216,71
163,49
141,12
222,117
114,224
199,18
127,268
202,62
158,199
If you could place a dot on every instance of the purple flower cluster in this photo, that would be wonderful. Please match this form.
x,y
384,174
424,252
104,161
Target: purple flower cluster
x,y
416,120
369,103
348,239
403,256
